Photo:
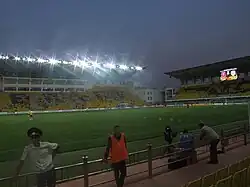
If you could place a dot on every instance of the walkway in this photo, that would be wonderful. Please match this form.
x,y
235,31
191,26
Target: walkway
x,y
175,178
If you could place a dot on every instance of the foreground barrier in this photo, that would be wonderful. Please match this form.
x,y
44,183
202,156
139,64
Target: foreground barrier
x,y
88,169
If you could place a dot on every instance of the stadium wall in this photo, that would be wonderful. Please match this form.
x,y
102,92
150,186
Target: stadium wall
x,y
123,108
42,84
149,95
79,110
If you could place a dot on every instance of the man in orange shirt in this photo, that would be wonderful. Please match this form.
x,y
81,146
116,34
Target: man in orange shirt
x,y
117,149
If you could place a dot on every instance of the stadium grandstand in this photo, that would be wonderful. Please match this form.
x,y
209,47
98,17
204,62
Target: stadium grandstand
x,y
226,79
36,83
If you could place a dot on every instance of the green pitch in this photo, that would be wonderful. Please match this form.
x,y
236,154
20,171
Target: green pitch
x,y
87,132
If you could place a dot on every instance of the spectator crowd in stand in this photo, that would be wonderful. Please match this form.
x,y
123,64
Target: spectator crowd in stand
x,y
101,98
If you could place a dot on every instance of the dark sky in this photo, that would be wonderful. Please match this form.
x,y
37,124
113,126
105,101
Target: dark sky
x,y
166,34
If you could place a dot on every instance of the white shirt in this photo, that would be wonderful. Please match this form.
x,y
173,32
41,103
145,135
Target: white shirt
x,y
209,133
40,158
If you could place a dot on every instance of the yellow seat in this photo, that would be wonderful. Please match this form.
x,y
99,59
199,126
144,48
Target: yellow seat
x,y
208,180
225,182
195,183
221,174
240,178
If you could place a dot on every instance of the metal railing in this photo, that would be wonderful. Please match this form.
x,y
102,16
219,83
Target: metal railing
x,y
13,154
86,169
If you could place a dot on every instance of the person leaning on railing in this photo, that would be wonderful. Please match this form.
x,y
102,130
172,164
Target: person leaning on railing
x,y
117,149
40,156
213,138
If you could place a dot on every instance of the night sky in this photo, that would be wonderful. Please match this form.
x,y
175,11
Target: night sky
x,y
164,34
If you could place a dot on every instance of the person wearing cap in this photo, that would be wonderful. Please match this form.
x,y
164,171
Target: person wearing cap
x,y
40,156
213,138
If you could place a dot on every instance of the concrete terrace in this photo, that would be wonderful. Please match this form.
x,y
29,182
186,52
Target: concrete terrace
x,y
162,178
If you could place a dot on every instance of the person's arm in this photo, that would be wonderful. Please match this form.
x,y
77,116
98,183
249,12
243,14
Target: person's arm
x,y
55,149
21,162
125,140
106,154
19,167
203,134
165,136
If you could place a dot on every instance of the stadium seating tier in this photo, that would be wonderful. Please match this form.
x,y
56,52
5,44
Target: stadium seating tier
x,y
97,97
236,88
234,175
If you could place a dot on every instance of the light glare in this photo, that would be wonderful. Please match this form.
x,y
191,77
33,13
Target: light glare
x,y
123,67
86,63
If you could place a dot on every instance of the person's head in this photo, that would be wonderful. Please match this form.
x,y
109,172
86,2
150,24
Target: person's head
x,y
201,125
35,134
167,129
185,131
117,130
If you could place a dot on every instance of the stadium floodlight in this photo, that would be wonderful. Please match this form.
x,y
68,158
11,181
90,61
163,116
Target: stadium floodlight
x,y
75,63
30,59
53,61
123,67
66,62
138,68
89,64
95,65
82,64
86,63
6,57
109,65
40,60
16,58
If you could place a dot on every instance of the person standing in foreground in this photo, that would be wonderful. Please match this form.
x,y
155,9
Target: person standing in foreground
x,y
117,149
40,156
209,134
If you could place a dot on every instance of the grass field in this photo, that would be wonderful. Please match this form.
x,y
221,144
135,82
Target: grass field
x,y
86,133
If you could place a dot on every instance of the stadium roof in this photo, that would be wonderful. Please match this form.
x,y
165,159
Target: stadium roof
x,y
242,64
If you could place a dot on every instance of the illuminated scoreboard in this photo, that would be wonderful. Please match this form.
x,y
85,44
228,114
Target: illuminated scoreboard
x,y
228,74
